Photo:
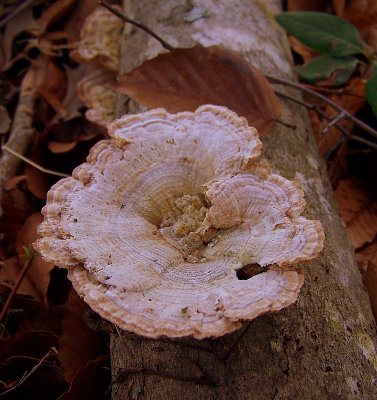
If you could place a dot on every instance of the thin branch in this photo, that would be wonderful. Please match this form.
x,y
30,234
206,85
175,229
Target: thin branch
x,y
144,28
323,115
363,141
332,123
331,103
13,292
34,164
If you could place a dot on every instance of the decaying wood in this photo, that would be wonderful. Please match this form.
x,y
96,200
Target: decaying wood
x,y
323,347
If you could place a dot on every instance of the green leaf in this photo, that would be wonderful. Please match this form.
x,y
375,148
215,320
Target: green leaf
x,y
323,67
322,32
371,90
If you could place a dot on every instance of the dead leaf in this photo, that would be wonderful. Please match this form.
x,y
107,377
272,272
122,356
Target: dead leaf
x,y
339,6
72,103
308,5
370,281
78,344
184,79
12,183
362,14
61,147
37,181
76,130
9,274
304,51
17,206
5,120
39,271
75,18
369,253
91,381
51,82
53,13
23,22
358,211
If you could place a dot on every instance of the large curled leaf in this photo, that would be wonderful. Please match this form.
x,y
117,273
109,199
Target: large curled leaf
x,y
371,89
324,66
322,32
185,79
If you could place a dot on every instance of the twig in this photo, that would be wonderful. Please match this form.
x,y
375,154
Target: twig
x,y
144,28
26,376
364,141
323,115
331,103
22,132
332,123
13,292
32,163
16,11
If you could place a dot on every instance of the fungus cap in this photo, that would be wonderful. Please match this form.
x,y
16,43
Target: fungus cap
x,y
155,225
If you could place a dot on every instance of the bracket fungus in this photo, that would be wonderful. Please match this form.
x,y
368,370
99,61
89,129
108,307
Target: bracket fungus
x,y
158,223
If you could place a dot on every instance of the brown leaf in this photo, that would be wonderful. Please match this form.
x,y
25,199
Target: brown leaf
x,y
36,182
12,183
75,18
308,5
77,344
370,280
90,382
22,22
9,273
51,82
56,10
184,79
304,51
72,102
5,121
61,147
339,6
39,271
17,206
369,253
362,14
358,212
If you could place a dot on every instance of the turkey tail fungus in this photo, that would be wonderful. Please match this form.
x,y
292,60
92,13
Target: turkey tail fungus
x,y
154,227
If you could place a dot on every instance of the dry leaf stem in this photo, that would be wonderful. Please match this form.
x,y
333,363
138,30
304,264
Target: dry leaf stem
x,y
34,164
22,132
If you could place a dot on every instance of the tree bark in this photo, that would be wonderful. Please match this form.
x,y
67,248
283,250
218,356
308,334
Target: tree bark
x,y
322,347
